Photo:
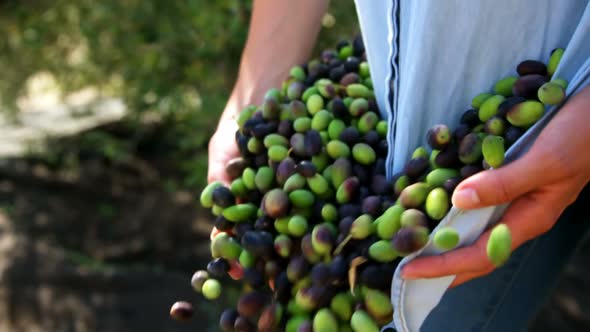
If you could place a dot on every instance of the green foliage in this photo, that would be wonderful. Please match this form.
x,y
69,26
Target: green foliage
x,y
175,60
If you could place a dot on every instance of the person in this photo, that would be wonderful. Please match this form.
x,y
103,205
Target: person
x,y
428,59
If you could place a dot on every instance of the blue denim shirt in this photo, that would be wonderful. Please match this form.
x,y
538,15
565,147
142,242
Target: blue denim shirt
x,y
429,58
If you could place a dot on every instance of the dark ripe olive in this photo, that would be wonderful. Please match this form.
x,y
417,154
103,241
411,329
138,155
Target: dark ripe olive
x,y
223,224
285,128
218,267
250,124
254,278
312,143
372,205
345,225
531,67
320,275
339,270
372,138
310,79
469,170
372,276
297,143
242,143
350,136
337,73
242,324
235,167
223,197
227,320
470,118
349,210
241,228
339,109
258,243
258,115
328,55
358,47
306,168
352,64
379,185
350,78
451,183
264,129
334,63
285,169
416,167
461,131
470,149
264,223
410,239
449,157
320,71
327,293
363,173
297,269
512,135
528,85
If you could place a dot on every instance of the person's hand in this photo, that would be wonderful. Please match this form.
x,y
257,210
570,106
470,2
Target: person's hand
x,y
540,185
222,148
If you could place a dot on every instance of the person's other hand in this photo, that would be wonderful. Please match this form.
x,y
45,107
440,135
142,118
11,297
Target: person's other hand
x,y
222,148
540,185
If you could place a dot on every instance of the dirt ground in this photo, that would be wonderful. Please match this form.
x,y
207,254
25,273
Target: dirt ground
x,y
113,251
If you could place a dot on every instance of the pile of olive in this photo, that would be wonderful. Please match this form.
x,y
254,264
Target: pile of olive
x,y
311,225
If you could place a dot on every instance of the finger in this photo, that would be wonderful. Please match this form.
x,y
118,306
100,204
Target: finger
x,y
502,185
528,217
216,172
465,277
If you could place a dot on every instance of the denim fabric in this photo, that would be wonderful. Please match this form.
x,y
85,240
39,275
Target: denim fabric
x,y
428,58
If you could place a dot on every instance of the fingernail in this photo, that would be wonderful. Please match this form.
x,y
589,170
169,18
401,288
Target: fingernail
x,y
466,197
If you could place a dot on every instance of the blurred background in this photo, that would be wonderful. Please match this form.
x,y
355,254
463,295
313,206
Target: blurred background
x,y
106,108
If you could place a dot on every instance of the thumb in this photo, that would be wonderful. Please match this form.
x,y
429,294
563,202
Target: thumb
x,y
502,185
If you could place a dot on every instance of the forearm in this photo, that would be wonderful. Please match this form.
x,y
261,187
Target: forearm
x,y
281,35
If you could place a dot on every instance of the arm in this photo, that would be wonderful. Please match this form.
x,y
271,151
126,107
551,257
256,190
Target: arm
x,y
540,185
281,35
